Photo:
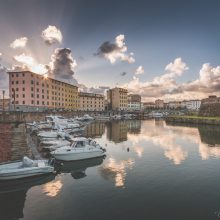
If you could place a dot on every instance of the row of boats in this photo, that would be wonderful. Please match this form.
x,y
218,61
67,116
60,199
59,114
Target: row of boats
x,y
62,138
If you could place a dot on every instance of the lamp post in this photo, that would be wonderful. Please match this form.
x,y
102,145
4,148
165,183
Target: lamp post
x,y
3,94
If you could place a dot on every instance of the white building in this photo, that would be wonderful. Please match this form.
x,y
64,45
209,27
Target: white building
x,y
191,104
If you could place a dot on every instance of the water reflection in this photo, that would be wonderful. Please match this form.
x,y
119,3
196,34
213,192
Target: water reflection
x,y
77,169
169,137
13,195
52,189
116,170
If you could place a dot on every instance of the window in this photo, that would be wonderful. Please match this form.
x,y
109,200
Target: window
x,y
16,89
23,102
37,95
32,101
16,82
23,95
37,102
32,95
23,89
32,89
32,82
12,82
23,81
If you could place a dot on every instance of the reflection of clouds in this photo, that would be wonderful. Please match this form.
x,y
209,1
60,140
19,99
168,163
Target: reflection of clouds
x,y
176,154
51,189
116,171
139,151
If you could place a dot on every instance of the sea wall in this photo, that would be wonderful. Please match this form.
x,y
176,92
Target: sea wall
x,y
195,120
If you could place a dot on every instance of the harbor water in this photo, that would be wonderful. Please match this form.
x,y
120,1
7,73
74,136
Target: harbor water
x,y
152,170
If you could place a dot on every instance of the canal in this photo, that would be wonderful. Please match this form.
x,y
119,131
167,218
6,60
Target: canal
x,y
152,170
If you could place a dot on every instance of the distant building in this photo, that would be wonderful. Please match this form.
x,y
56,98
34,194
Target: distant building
x,y
148,105
174,105
4,104
159,103
91,102
193,105
134,102
30,91
117,99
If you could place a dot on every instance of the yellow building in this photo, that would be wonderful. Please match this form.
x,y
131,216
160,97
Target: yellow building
x,y
91,102
117,99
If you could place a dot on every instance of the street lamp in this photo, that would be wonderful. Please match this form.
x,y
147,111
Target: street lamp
x,y
3,94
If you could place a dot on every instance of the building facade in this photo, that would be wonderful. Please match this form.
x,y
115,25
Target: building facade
x,y
4,104
117,99
134,102
91,102
30,92
174,105
148,105
193,105
159,103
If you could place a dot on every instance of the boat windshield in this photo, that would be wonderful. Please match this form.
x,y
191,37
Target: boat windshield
x,y
79,144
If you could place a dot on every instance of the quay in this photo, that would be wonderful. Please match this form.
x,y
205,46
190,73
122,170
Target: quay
x,y
193,120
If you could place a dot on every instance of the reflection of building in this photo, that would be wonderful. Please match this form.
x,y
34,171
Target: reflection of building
x,y
117,99
117,131
4,104
29,91
134,102
95,129
159,103
91,102
209,134
134,126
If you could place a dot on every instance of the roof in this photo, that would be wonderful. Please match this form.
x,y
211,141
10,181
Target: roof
x,y
39,75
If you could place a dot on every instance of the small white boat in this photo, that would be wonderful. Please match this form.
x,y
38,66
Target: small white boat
x,y
102,117
24,168
81,148
56,145
86,117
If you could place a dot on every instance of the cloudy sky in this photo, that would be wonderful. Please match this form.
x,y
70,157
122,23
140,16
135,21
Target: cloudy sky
x,y
159,49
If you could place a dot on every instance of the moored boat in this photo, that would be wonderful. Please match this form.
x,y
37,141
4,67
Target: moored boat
x,y
24,168
81,148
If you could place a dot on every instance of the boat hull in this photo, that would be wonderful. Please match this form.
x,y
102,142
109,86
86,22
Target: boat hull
x,y
78,156
26,173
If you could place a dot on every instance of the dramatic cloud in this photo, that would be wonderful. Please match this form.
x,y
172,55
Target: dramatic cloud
x,y
97,90
160,85
19,43
29,63
139,70
116,51
166,86
52,35
62,65
177,67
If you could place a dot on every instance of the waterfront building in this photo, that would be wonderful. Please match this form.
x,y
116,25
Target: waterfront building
x,y
159,103
174,105
4,104
117,99
210,106
148,105
134,102
193,105
30,91
91,102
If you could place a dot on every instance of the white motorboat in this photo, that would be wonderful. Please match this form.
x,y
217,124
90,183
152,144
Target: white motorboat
x,y
81,148
56,145
86,117
52,134
102,117
24,168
